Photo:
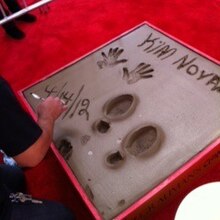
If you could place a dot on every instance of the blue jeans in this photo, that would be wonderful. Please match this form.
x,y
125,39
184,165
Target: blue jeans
x,y
13,180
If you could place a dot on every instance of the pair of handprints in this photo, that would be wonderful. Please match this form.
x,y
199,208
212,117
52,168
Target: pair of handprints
x,y
111,59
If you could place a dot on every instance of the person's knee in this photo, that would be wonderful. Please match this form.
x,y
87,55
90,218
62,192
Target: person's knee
x,y
40,211
13,177
59,210
66,214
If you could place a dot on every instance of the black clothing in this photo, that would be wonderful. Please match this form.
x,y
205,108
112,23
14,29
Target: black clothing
x,y
10,27
14,181
18,131
11,180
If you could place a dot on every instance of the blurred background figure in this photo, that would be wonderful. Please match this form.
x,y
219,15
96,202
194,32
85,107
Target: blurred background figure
x,y
10,27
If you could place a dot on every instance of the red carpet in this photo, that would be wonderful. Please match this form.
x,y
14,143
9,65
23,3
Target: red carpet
x,y
73,28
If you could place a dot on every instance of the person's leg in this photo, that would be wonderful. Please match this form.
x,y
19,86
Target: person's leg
x,y
48,210
13,178
13,6
11,29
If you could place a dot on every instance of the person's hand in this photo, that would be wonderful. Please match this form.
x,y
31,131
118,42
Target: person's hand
x,y
48,111
51,108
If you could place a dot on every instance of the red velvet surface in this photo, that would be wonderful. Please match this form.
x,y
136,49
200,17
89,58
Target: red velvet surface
x,y
72,29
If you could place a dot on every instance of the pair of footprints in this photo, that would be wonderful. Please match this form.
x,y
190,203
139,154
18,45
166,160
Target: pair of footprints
x,y
141,141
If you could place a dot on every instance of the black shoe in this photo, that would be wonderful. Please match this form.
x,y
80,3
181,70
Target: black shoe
x,y
29,18
13,31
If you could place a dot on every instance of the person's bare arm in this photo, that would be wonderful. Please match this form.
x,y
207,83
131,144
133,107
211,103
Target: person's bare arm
x,y
48,111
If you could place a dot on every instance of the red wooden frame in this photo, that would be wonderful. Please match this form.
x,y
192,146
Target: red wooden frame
x,y
172,184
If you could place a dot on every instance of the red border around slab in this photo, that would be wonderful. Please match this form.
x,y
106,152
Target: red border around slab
x,y
143,206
